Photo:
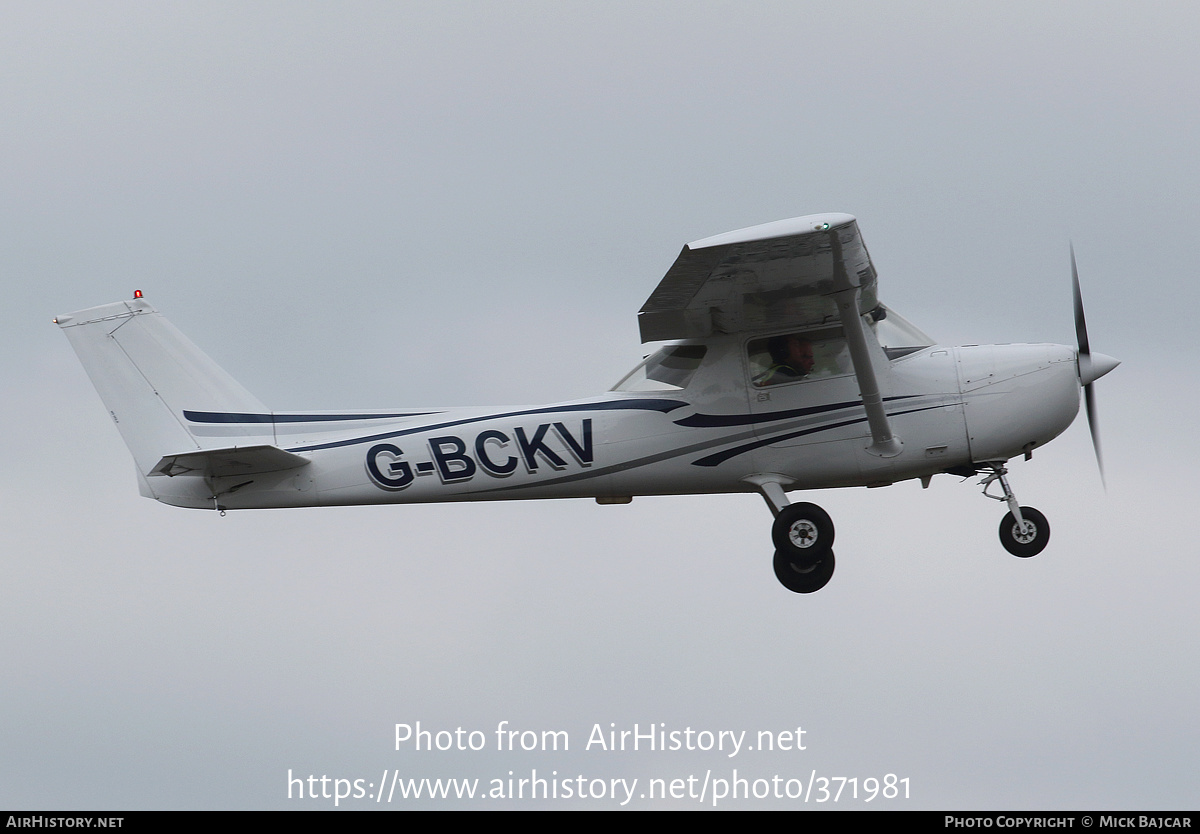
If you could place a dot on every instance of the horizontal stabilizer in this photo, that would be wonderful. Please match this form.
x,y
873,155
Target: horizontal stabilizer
x,y
219,463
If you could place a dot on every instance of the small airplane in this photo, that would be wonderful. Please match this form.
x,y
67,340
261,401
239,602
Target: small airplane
x,y
782,371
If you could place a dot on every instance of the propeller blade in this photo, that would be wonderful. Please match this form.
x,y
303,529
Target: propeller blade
x,y
1081,336
1089,371
1090,402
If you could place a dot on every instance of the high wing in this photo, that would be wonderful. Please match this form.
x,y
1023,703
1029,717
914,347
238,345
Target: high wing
x,y
774,276
788,274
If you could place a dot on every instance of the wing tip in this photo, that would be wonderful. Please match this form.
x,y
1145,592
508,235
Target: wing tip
x,y
777,228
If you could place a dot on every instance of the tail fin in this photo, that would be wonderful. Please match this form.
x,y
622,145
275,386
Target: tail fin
x,y
147,373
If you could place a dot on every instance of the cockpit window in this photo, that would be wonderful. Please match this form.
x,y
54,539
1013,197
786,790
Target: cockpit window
x,y
899,336
790,357
667,369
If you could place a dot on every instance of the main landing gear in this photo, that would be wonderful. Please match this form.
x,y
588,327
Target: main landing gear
x,y
803,537
1024,531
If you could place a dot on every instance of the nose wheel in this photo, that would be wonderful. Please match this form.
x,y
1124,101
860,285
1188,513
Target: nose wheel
x,y
1025,539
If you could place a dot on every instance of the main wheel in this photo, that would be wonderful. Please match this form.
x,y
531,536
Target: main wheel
x,y
803,577
803,531
1028,542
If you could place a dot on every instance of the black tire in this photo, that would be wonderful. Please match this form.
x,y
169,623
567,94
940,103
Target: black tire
x,y
803,531
1029,544
803,577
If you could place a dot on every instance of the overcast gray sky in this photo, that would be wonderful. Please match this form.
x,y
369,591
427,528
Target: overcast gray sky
x,y
406,204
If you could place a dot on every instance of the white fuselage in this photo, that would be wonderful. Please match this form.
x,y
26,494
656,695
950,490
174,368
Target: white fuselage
x,y
951,408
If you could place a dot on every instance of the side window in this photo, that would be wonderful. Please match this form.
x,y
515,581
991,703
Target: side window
x,y
791,357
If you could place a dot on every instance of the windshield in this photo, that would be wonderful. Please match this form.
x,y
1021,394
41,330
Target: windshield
x,y
667,369
899,336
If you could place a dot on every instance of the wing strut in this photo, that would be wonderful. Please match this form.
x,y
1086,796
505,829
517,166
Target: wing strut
x,y
885,444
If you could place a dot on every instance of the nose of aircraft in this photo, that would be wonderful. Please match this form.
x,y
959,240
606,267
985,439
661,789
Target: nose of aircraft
x,y
1094,365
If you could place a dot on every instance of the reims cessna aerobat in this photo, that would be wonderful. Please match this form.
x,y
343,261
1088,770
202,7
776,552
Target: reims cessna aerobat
x,y
782,371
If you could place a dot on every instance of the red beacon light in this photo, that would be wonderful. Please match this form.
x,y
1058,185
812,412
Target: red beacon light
x,y
137,294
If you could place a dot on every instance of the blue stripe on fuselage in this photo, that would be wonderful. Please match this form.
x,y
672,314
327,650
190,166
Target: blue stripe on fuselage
x,y
663,406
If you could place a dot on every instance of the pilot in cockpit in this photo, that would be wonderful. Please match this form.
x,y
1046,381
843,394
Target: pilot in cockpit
x,y
791,359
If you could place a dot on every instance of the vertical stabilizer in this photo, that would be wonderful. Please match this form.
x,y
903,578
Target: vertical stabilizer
x,y
147,373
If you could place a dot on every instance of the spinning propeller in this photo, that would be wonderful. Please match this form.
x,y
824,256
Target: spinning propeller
x,y
1092,366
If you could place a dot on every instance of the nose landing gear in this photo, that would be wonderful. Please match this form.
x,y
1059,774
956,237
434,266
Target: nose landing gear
x,y
1024,531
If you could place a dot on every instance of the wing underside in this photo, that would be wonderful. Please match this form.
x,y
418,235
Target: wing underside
x,y
774,276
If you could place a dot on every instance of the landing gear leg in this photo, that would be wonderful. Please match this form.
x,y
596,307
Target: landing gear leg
x,y
1024,531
